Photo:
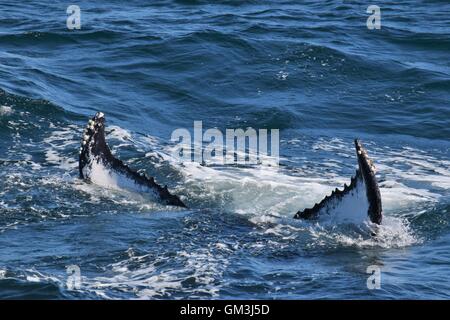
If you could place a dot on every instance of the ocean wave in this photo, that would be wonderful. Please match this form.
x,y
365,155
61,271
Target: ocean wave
x,y
312,70
43,38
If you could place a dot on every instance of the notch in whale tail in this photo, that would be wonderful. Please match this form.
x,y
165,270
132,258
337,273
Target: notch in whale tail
x,y
94,149
362,193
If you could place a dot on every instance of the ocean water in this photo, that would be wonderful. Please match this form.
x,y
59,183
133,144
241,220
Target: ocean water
x,y
311,69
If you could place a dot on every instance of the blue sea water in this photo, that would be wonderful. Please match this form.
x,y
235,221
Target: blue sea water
x,y
309,68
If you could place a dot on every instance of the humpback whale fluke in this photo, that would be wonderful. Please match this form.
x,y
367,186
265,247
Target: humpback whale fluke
x,y
362,194
95,151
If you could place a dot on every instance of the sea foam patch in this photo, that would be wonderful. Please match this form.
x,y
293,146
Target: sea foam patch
x,y
5,110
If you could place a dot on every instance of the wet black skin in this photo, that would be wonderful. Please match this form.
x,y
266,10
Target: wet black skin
x,y
365,172
96,145
375,212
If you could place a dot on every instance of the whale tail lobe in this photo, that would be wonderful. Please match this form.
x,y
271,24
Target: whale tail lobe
x,y
361,196
96,157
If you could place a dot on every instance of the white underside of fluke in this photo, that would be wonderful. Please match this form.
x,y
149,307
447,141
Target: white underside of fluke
x,y
351,207
99,173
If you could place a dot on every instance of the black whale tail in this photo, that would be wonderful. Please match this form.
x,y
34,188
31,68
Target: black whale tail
x,y
363,190
94,149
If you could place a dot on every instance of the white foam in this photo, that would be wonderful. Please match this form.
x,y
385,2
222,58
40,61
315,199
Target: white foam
x,y
5,110
393,233
150,281
56,145
116,132
395,195
32,275
264,189
407,177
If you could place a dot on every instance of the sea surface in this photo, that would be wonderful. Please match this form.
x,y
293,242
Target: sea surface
x,y
311,69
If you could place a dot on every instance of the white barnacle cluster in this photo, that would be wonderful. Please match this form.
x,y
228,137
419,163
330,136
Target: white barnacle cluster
x,y
369,161
372,166
90,126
